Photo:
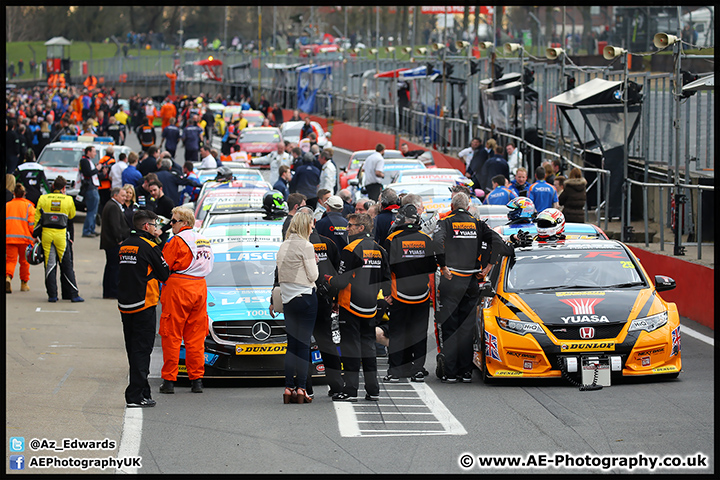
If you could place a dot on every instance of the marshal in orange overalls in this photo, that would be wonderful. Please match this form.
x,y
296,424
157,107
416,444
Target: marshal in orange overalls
x,y
19,224
184,303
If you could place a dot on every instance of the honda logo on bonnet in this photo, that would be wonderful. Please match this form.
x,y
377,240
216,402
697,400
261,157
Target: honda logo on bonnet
x,y
587,333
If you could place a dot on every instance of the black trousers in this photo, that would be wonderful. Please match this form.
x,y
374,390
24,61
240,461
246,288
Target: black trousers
x,y
104,198
357,346
408,337
456,315
111,275
374,190
139,331
68,284
323,337
191,155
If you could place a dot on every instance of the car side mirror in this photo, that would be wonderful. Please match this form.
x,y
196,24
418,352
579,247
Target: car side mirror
x,y
486,289
663,283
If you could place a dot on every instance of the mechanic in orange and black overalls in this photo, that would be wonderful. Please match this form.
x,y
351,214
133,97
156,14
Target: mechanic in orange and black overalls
x,y
146,135
184,301
364,270
104,166
464,245
412,256
141,268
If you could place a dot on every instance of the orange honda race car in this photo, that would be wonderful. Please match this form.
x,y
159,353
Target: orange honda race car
x,y
584,310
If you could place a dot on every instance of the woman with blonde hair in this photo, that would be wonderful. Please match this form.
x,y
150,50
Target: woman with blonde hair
x,y
9,187
297,271
131,205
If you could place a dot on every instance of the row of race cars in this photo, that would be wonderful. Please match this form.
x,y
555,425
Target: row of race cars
x,y
582,308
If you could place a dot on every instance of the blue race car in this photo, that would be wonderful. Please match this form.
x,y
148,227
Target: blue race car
x,y
243,339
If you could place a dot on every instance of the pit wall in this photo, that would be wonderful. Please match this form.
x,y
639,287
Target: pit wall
x,y
695,290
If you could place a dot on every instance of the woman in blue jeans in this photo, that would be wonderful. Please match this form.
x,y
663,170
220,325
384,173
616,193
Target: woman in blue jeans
x,y
297,271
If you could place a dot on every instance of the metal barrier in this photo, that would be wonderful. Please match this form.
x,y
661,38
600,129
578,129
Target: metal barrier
x,y
661,187
353,94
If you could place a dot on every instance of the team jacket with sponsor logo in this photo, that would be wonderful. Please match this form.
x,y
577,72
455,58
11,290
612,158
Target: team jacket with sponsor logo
x,y
364,270
464,243
142,266
412,260
187,244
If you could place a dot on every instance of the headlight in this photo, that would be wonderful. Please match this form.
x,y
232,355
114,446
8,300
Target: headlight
x,y
650,323
521,328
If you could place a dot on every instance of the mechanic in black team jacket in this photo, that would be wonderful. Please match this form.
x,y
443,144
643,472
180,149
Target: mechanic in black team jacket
x,y
141,268
363,271
412,255
464,245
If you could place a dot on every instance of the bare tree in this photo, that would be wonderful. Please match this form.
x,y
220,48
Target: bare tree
x,y
466,18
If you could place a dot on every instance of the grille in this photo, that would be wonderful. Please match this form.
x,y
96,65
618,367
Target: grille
x,y
602,331
241,332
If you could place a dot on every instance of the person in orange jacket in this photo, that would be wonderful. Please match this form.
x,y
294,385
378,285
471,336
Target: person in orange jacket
x,y
167,111
184,301
19,225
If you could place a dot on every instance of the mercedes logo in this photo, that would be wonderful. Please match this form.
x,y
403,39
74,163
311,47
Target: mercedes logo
x,y
261,331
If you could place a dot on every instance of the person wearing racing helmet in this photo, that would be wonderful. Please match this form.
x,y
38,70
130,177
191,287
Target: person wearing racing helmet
x,y
550,225
274,204
522,211
224,174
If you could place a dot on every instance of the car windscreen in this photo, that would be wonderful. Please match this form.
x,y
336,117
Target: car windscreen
x,y
261,136
231,202
291,131
427,192
254,118
60,157
567,269
256,269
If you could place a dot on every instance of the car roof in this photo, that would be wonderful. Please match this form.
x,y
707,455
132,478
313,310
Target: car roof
x,y
574,244
253,129
406,161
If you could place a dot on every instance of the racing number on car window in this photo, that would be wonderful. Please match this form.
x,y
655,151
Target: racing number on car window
x,y
627,264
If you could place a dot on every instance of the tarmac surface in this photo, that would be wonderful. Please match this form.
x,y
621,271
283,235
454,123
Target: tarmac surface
x,y
66,366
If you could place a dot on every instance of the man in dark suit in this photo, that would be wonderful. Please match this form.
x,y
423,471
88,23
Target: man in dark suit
x,y
493,166
114,231
171,181
480,155
149,163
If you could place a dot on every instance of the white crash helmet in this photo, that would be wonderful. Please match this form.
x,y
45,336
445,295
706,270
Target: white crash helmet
x,y
550,222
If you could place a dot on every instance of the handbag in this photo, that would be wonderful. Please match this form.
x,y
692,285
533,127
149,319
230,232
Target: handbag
x,y
277,299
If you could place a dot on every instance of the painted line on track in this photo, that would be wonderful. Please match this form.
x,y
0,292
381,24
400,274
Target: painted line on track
x,y
131,436
703,338
404,409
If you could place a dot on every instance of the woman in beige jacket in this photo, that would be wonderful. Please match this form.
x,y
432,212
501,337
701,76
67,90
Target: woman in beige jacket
x,y
297,272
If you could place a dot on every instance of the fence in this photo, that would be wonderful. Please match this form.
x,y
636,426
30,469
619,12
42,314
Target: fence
x,y
653,143
352,94
698,189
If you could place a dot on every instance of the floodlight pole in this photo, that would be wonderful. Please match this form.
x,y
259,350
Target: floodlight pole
x,y
522,98
678,249
624,214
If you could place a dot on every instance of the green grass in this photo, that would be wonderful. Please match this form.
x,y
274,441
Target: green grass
x,y
79,51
